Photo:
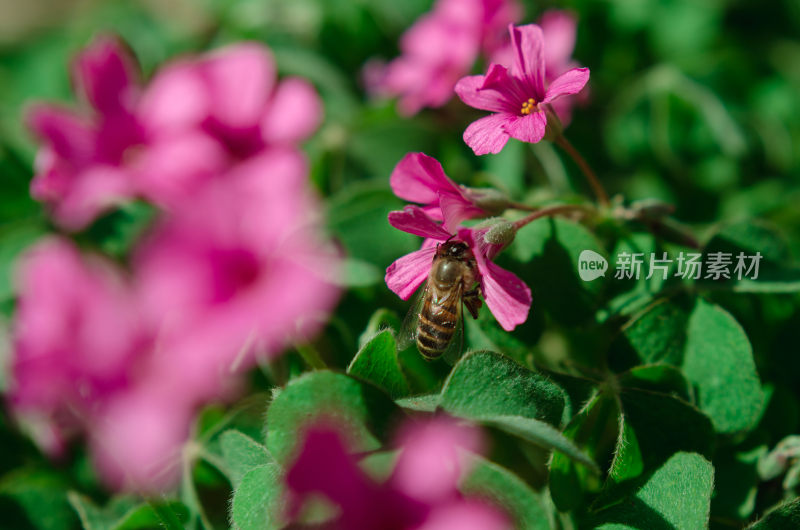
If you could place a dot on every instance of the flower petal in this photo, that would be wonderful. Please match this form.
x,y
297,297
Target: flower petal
x,y
432,449
241,78
472,91
406,274
487,135
558,28
507,296
466,514
419,178
414,220
294,113
456,209
570,82
528,66
530,128
106,73
69,135
175,99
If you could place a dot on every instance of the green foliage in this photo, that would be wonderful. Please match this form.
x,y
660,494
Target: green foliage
x,y
377,363
646,403
358,408
677,495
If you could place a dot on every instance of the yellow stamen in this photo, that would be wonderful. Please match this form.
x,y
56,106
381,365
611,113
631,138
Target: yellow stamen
x,y
528,106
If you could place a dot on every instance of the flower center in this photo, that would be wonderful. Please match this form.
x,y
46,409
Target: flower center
x,y
528,106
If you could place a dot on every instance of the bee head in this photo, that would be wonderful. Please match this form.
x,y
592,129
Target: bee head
x,y
454,250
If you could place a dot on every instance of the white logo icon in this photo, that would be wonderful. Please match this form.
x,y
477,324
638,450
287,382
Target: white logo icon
x,y
591,265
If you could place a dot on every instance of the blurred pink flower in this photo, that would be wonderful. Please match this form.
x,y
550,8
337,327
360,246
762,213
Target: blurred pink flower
x,y
439,49
516,97
92,161
422,492
196,118
239,269
506,295
75,334
420,178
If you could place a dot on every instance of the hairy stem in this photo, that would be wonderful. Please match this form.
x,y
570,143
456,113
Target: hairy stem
x,y
550,210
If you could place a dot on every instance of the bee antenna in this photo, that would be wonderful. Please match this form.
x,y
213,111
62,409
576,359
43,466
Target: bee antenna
x,y
449,238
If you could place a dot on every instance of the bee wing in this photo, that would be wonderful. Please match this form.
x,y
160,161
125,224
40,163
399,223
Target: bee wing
x,y
455,349
408,331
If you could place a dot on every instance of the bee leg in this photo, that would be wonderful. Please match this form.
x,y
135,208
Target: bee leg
x,y
473,302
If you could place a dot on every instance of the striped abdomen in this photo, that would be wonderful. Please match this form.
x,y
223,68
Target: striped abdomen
x,y
437,322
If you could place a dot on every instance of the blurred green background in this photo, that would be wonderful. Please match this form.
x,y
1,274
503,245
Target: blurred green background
x,y
694,102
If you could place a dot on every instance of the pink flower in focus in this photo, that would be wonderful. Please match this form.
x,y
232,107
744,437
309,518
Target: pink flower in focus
x,y
559,30
194,120
420,178
439,49
507,296
517,97
241,269
422,492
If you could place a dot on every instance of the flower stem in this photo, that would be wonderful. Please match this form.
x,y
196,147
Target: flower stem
x,y
594,182
548,211
523,207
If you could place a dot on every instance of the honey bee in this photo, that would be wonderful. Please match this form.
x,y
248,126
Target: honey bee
x,y
434,322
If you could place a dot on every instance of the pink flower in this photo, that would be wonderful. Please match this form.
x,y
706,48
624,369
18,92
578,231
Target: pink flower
x,y
195,119
507,296
420,494
439,49
232,94
420,178
75,334
240,270
516,96
92,161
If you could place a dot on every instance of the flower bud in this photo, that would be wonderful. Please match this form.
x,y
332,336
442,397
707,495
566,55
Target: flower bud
x,y
500,232
490,200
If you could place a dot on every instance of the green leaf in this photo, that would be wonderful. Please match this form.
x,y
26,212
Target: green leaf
x,y
539,433
659,425
719,362
485,384
125,513
41,495
257,502
358,408
503,488
547,251
662,378
677,495
241,453
712,351
657,334
784,517
425,403
377,363
494,390
595,431
775,272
